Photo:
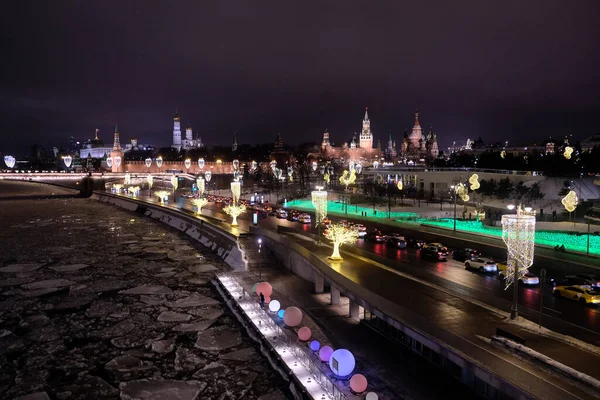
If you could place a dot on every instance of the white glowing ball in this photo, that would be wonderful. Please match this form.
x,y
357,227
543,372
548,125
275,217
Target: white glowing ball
x,y
292,316
342,362
358,383
304,333
274,305
265,288
372,396
325,353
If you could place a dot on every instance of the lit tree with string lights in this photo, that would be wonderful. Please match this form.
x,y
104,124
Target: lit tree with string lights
x,y
234,211
162,195
339,235
199,203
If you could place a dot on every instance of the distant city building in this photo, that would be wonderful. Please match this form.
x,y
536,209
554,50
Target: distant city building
x,y
390,151
417,147
589,143
117,152
189,142
352,151
95,148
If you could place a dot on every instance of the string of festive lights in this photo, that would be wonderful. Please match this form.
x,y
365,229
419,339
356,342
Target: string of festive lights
x,y
236,189
319,202
518,232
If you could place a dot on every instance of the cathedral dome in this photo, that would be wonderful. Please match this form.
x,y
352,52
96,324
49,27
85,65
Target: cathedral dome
x,y
417,133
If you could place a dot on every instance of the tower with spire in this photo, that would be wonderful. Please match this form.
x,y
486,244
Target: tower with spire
x,y
326,143
234,145
176,131
366,137
117,152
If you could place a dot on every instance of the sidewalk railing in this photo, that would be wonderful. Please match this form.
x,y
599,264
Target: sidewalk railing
x,y
267,324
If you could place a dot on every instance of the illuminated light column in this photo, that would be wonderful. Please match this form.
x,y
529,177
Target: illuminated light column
x,y
174,182
201,184
319,202
339,235
236,189
127,179
518,232
150,180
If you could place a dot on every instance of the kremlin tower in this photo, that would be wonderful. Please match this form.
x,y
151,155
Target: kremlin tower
x,y
117,153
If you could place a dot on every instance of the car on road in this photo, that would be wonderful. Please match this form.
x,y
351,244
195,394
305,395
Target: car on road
x,y
304,218
375,236
435,250
570,280
281,214
593,280
481,264
397,241
293,215
415,243
361,229
529,279
465,254
582,293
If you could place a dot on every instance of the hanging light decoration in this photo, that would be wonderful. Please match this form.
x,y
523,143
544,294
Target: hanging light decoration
x,y
208,176
201,185
375,164
159,161
150,180
109,162
236,165
474,182
570,201
518,233
254,165
201,163
314,165
67,160
400,186
174,182
187,163
568,152
236,189
9,161
148,162
319,202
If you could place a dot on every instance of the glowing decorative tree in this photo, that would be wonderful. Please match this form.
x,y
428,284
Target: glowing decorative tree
x,y
234,210
162,195
150,180
134,190
236,189
117,187
199,203
339,235
201,185
174,182
568,152
518,232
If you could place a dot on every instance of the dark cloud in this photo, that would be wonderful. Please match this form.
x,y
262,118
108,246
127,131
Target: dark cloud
x,y
512,69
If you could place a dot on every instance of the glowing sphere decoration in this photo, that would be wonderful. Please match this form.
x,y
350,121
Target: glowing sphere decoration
x,y
314,165
109,162
342,362
207,176
201,163
325,353
148,162
372,396
292,316
116,161
304,333
265,288
68,160
358,383
187,163
315,345
281,314
159,161
274,306
236,165
9,161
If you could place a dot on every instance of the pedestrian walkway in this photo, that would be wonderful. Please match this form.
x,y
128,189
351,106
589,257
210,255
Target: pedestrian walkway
x,y
441,313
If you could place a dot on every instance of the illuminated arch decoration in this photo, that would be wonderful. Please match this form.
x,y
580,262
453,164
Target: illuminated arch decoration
x,y
236,189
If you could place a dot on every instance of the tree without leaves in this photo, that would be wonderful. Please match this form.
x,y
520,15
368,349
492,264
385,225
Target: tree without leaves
x,y
339,235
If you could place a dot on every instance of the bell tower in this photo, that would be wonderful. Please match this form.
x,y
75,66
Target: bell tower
x,y
366,138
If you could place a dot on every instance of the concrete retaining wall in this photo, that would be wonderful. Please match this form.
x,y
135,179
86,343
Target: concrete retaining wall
x,y
222,243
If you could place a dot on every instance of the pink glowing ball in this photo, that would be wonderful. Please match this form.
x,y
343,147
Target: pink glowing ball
x,y
265,288
292,316
304,333
358,383
325,353
267,299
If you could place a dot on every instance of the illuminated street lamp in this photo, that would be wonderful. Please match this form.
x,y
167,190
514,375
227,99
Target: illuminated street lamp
x,y
518,233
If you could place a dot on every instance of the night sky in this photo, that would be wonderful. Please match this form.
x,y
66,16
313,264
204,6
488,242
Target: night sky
x,y
507,70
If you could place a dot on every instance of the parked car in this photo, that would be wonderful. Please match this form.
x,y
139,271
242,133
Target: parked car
x,y
375,236
293,215
570,280
397,241
415,243
593,280
435,250
465,254
529,279
582,293
481,264
361,229
304,218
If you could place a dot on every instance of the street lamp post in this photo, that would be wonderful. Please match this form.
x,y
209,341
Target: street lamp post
x,y
259,259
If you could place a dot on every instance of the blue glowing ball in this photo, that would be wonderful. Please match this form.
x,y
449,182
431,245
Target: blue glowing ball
x,y
342,362
280,314
315,345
